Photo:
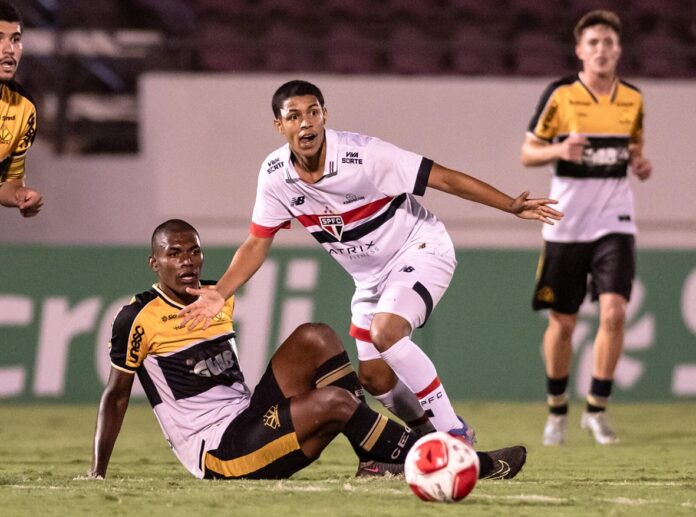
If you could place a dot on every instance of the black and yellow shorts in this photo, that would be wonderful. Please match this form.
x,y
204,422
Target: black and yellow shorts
x,y
261,442
564,268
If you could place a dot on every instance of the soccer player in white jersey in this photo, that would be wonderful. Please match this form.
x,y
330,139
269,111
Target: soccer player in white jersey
x,y
589,128
355,195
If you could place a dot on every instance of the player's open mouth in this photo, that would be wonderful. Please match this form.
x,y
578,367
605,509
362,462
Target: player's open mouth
x,y
306,140
188,277
8,65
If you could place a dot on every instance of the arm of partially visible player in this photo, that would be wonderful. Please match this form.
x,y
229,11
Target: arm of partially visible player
x,y
112,410
467,187
536,152
640,166
13,193
246,261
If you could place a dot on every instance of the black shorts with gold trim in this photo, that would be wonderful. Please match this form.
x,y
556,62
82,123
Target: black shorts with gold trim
x,y
562,276
261,442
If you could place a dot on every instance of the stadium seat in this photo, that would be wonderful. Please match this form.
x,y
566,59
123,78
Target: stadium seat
x,y
222,48
287,49
476,51
412,51
476,10
662,55
348,50
537,54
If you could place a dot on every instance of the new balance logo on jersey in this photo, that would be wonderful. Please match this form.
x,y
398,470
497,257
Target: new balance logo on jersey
x,y
332,224
297,201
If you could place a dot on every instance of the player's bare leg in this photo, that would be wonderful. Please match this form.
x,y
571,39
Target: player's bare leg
x,y
607,350
558,350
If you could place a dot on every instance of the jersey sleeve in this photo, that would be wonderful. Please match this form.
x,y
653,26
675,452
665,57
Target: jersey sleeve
x,y
545,121
269,215
637,130
396,171
128,345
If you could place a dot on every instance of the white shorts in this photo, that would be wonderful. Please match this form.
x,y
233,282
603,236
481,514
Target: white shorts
x,y
411,288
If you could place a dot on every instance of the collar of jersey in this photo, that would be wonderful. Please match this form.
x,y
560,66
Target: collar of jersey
x,y
166,298
330,164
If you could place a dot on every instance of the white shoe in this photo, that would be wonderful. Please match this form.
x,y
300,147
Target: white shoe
x,y
555,429
598,425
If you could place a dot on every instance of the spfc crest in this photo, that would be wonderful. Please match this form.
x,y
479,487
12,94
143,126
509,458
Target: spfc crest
x,y
332,224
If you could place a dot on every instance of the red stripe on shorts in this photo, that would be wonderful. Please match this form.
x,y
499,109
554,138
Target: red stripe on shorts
x,y
361,334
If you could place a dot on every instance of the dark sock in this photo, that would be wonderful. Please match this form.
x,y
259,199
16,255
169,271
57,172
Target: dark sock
x,y
557,398
597,399
382,439
338,371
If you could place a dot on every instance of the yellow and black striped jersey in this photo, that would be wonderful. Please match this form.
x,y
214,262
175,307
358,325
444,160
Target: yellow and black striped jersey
x,y
610,123
192,378
595,195
17,129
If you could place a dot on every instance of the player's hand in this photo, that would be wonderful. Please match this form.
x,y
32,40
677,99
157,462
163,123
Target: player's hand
x,y
572,148
29,201
526,208
209,304
641,167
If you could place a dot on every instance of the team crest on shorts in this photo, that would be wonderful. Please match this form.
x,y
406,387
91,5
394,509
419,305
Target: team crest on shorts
x,y
271,418
332,224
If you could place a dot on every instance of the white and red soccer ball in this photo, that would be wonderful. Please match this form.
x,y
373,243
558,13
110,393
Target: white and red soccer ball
x,y
441,467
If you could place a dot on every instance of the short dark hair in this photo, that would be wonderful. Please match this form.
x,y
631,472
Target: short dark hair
x,y
599,17
172,225
9,13
293,89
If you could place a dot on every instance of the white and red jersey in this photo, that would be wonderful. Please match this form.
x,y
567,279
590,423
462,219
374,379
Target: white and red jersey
x,y
362,210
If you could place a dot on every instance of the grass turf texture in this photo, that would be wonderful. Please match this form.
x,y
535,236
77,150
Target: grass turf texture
x,y
44,448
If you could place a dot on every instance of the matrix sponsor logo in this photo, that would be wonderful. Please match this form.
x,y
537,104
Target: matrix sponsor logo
x,y
352,198
355,252
332,224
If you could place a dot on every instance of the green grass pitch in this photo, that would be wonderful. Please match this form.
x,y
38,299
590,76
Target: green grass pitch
x,y
45,448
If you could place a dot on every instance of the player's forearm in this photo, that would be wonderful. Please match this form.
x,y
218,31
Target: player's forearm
x,y
112,410
469,188
8,190
246,261
537,154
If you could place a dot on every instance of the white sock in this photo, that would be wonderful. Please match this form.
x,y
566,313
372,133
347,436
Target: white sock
x,y
418,373
403,403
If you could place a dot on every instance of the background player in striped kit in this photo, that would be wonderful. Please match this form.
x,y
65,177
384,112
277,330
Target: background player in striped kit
x,y
19,118
589,127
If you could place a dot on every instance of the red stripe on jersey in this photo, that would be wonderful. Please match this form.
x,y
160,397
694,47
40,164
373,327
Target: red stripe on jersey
x,y
350,216
429,388
361,334
265,232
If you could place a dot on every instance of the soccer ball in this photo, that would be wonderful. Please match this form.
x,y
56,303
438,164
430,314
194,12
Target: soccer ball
x,y
440,467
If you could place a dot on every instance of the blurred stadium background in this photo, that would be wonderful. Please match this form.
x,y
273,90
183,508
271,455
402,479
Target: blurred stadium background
x,y
150,109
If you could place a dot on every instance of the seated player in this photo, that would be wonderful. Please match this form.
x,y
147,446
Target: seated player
x,y
216,427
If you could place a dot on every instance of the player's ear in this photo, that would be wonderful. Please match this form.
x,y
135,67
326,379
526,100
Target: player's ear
x,y
152,262
278,125
323,109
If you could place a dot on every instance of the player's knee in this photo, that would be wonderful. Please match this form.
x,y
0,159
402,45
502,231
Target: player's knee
x,y
337,404
385,334
318,337
563,324
613,317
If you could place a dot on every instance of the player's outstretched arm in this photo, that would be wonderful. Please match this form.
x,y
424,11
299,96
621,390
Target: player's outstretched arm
x,y
467,187
246,261
536,153
13,193
112,410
